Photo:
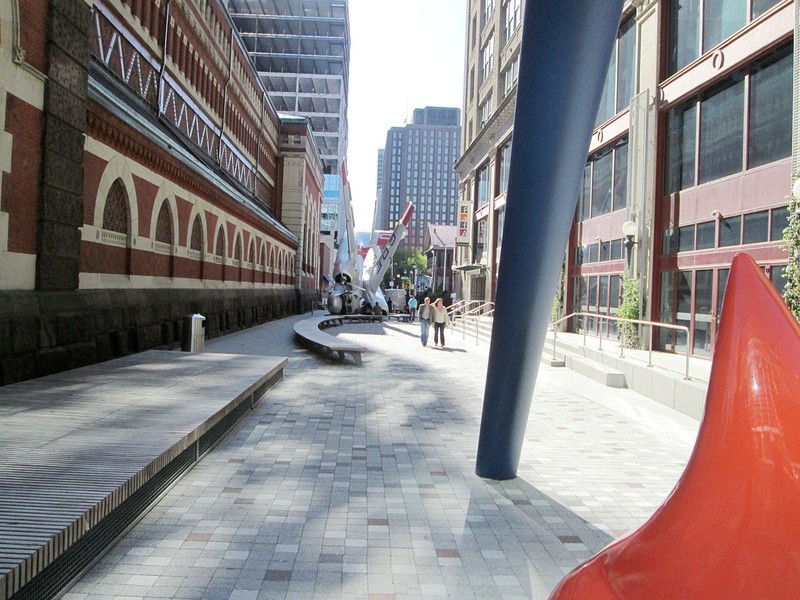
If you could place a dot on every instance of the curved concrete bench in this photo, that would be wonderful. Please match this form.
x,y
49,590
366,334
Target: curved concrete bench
x,y
310,330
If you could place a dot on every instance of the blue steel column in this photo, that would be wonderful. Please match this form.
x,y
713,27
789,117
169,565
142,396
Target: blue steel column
x,y
566,47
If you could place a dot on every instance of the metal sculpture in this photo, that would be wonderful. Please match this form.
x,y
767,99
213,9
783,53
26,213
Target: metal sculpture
x,y
357,289
566,47
730,528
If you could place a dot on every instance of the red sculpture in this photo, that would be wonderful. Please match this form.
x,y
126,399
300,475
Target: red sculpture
x,y
731,527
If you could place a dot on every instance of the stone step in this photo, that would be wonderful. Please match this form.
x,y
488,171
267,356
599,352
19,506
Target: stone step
x,y
596,371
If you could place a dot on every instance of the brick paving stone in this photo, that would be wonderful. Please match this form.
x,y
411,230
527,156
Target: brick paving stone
x,y
348,482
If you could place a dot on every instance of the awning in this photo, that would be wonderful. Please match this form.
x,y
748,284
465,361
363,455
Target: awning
x,y
474,267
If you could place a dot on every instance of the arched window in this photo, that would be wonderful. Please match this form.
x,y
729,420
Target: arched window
x,y
237,248
196,242
115,214
164,224
220,250
251,255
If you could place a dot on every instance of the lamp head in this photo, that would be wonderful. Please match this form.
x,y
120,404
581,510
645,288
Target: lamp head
x,y
629,230
796,189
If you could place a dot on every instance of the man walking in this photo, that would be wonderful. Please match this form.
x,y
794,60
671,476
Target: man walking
x,y
425,316
412,308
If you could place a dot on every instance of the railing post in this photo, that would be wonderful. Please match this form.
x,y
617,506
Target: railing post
x,y
600,332
687,356
650,348
555,331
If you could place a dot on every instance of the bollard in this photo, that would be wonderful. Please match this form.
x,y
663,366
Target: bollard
x,y
194,333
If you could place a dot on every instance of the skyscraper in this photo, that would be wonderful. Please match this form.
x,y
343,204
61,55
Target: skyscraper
x,y
418,167
376,217
301,51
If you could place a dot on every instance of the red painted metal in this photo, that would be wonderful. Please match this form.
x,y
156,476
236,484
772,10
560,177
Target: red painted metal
x,y
731,527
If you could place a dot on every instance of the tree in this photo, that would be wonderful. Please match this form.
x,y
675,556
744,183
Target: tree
x,y
791,238
416,259
403,263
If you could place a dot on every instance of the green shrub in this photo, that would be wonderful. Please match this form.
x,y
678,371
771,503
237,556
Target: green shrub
x,y
629,309
791,238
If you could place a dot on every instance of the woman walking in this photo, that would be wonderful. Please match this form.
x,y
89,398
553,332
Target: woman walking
x,y
440,321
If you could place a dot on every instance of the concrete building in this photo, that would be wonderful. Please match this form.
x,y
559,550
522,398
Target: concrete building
x,y
418,164
494,35
692,152
301,51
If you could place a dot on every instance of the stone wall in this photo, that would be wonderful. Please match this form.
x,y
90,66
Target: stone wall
x,y
47,332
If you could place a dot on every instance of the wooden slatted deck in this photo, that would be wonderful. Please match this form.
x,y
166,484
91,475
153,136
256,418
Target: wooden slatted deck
x,y
85,452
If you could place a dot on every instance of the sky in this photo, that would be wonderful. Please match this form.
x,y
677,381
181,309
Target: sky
x,y
404,54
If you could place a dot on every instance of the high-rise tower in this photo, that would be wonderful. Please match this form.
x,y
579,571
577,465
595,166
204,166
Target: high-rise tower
x,y
418,167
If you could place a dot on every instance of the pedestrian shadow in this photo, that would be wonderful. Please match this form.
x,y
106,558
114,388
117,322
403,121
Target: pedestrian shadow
x,y
414,334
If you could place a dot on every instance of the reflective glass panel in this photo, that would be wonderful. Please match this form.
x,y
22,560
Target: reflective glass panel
x,y
776,275
621,175
686,238
666,337
730,232
720,19
684,33
607,104
601,184
586,192
721,130
756,227
592,294
722,285
768,137
683,302
704,281
680,151
706,235
616,249
780,221
670,245
762,6
626,62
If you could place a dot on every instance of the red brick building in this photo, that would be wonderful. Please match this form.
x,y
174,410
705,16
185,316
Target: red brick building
x,y
145,176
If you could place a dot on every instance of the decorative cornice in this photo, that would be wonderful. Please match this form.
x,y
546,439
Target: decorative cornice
x,y
501,122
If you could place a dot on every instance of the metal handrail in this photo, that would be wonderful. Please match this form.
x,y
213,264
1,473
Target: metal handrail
x,y
478,310
456,306
622,334
476,313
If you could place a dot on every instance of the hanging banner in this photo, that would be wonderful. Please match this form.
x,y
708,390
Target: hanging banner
x,y
464,218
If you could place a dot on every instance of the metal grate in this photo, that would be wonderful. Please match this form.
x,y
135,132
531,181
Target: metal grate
x,y
57,575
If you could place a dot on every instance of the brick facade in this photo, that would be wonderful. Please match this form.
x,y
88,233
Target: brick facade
x,y
142,184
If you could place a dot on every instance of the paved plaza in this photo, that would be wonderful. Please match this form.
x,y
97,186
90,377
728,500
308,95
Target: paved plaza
x,y
358,483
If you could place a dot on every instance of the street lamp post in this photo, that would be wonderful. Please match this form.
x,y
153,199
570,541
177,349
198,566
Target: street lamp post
x,y
629,230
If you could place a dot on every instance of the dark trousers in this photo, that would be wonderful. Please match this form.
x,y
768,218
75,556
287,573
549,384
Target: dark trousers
x,y
438,329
